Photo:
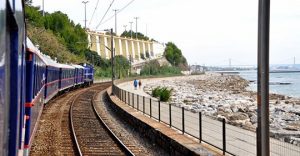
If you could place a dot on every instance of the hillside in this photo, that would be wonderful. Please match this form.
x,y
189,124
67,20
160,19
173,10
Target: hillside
x,y
50,45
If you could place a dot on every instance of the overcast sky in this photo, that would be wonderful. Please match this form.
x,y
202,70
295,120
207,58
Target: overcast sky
x,y
207,31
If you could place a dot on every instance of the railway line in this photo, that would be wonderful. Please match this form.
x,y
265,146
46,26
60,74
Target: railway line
x,y
91,134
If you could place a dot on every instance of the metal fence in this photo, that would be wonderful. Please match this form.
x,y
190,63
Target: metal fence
x,y
230,139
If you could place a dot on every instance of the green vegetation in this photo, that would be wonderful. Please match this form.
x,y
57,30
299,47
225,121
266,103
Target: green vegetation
x,y
153,68
70,35
163,93
140,36
122,67
50,45
174,56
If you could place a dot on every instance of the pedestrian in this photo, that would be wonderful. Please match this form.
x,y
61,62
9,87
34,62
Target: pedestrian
x,y
135,83
140,84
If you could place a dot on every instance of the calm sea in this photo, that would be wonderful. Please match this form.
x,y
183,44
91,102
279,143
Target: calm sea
x,y
292,89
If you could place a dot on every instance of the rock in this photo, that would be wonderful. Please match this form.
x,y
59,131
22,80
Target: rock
x,y
291,128
253,119
239,116
234,108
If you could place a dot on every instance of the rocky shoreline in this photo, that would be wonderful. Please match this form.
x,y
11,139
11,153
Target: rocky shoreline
x,y
225,96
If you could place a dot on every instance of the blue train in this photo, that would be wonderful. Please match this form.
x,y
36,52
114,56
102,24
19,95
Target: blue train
x,y
28,80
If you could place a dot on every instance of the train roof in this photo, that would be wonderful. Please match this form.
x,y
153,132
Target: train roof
x,y
30,46
50,62
66,66
77,66
86,65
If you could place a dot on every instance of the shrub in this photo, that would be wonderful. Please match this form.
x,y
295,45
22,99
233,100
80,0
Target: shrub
x,y
163,93
156,92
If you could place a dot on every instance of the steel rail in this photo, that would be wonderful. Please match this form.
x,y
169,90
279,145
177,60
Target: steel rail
x,y
124,148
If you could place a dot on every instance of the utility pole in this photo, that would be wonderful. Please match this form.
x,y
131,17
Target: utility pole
x,y
147,30
136,26
43,7
112,59
131,29
125,27
85,2
263,138
115,10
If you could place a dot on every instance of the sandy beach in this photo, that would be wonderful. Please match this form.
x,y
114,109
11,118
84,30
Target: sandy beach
x,y
226,96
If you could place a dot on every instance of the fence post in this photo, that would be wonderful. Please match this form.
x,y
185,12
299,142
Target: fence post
x,y
121,94
128,99
182,120
125,96
170,114
143,104
138,100
224,136
159,110
200,127
133,100
150,108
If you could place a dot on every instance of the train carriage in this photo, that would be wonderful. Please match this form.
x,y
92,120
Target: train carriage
x,y
66,76
52,78
79,70
12,49
35,87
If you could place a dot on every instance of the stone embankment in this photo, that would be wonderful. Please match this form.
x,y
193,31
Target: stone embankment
x,y
226,96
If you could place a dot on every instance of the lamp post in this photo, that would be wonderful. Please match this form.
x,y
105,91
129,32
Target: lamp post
x,y
85,2
136,18
115,10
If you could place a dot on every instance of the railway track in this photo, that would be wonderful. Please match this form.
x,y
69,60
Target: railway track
x,y
90,134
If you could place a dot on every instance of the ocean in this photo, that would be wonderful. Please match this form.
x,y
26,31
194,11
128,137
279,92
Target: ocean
x,y
280,83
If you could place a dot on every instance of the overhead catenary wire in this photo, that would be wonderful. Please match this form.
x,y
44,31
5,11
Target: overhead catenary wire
x,y
117,13
105,14
94,13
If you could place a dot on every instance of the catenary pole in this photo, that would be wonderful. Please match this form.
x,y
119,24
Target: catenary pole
x,y
112,57
43,7
263,143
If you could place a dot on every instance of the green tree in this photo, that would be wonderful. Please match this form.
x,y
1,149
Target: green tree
x,y
122,66
174,55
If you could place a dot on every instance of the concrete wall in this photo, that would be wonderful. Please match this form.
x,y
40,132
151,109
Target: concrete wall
x,y
124,46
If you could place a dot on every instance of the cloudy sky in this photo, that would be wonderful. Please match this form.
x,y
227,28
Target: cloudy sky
x,y
208,32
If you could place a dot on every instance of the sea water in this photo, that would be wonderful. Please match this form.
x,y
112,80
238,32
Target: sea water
x,y
277,82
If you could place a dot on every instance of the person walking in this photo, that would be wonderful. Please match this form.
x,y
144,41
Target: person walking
x,y
140,84
135,83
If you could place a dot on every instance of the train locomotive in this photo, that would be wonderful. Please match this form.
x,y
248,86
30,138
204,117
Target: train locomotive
x,y
28,80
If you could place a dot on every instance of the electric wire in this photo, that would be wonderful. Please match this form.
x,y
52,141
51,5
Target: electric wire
x,y
94,13
117,12
105,14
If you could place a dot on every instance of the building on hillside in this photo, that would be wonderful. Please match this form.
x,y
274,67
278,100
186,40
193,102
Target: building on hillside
x,y
134,50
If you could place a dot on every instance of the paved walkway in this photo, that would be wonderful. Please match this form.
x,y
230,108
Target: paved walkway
x,y
238,141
